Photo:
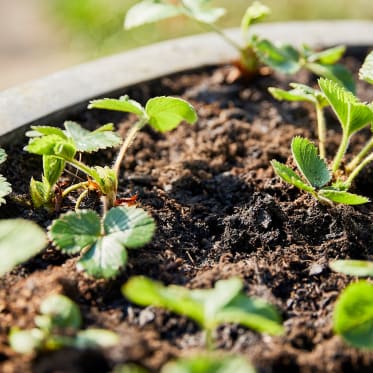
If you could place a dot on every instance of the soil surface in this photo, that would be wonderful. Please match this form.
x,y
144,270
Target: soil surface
x,y
221,212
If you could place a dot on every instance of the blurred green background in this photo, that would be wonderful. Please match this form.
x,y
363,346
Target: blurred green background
x,y
94,27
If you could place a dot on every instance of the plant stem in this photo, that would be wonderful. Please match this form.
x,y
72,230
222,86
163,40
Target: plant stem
x,y
358,158
86,169
80,199
321,130
341,151
71,188
357,170
127,143
209,340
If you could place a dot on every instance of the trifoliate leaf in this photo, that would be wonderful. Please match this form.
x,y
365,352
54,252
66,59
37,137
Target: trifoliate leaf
x,y
136,226
148,11
19,241
52,168
300,92
212,363
353,315
87,141
328,56
289,176
49,130
202,11
208,307
366,71
361,268
124,104
5,189
166,113
341,196
312,167
352,114
51,145
63,312
255,13
283,58
3,155
26,341
93,338
336,73
74,231
105,258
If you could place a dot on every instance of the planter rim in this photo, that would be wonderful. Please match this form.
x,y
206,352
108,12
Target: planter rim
x,y
27,103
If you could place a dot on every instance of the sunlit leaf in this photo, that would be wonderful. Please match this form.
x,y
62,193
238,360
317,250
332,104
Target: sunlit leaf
x,y
366,71
166,113
361,268
256,12
328,56
49,130
26,341
87,141
148,11
5,189
341,196
312,167
52,168
124,104
353,315
93,338
202,11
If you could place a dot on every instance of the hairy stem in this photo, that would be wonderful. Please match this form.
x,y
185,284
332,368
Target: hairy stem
x,y
321,130
359,157
357,170
86,169
80,199
341,151
127,143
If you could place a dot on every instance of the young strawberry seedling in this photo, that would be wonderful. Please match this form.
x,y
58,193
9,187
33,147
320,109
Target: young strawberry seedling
x,y
353,115
58,326
255,50
210,308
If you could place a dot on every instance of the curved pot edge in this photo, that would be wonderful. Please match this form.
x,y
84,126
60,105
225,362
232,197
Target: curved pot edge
x,y
26,103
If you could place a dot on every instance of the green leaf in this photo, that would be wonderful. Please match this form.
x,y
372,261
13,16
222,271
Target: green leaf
x,y
166,113
148,11
5,189
87,141
64,313
289,176
105,127
212,363
201,11
341,196
208,307
40,192
135,225
93,338
283,58
26,341
19,241
336,73
361,268
328,56
51,145
255,13
49,130
312,167
105,258
106,179
366,71
74,231
52,168
3,155
300,92
353,315
124,104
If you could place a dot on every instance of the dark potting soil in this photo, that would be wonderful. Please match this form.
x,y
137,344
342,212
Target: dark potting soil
x,y
220,212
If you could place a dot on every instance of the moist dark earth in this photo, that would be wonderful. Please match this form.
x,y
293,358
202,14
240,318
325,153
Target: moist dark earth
x,y
221,212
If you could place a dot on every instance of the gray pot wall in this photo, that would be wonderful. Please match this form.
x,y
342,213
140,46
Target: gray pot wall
x,y
44,100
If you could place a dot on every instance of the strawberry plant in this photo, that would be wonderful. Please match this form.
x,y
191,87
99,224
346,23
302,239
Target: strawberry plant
x,y
353,115
58,326
255,50
5,187
225,303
